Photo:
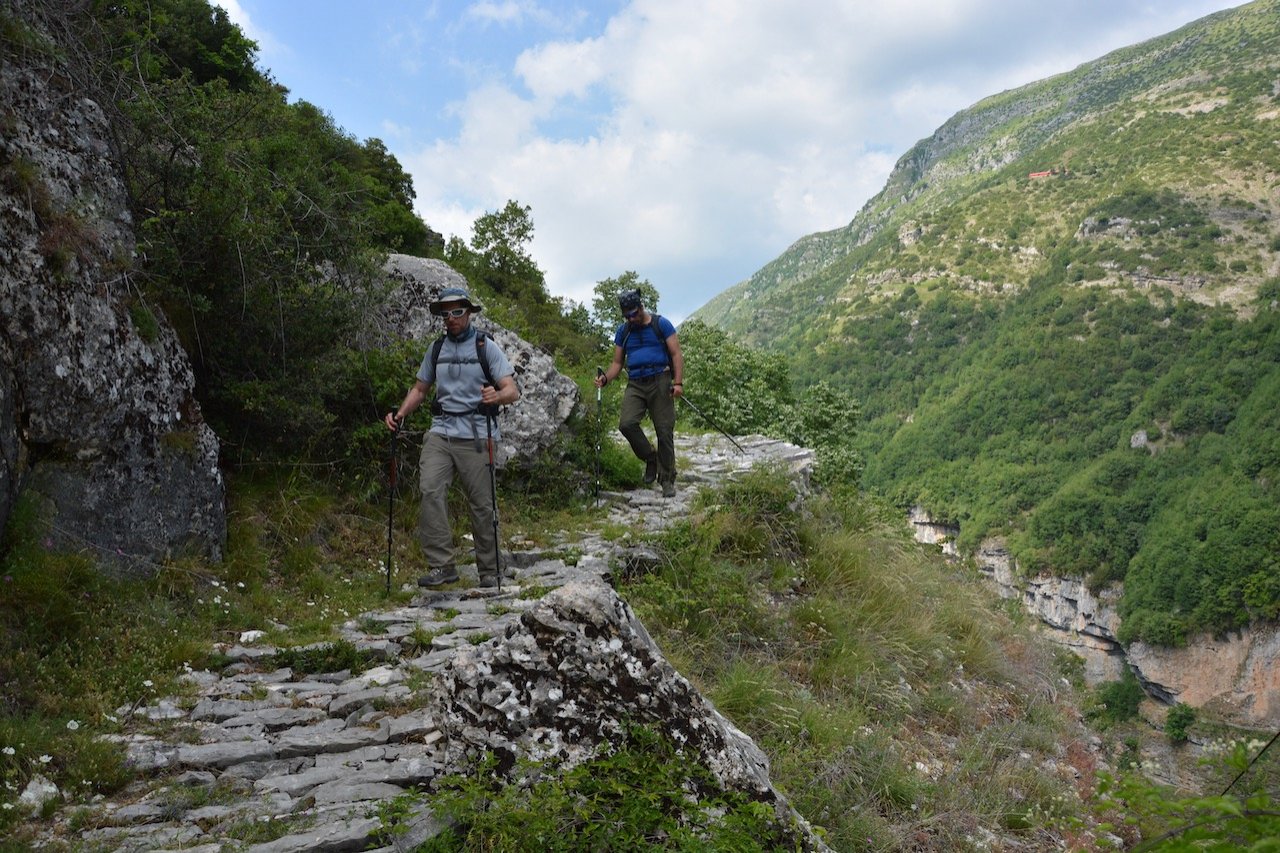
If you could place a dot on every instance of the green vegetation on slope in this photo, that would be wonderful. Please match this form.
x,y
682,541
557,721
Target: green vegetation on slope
x,y
1007,336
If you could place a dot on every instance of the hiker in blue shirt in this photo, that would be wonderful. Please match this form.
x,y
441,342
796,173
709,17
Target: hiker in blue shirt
x,y
655,377
460,429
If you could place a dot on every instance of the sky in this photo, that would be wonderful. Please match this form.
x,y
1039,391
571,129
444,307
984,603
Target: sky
x,y
689,141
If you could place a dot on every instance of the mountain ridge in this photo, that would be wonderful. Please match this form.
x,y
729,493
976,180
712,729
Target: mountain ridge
x,y
928,174
1059,319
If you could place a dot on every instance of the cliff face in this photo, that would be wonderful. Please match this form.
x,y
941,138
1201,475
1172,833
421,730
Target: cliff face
x,y
97,417
1236,676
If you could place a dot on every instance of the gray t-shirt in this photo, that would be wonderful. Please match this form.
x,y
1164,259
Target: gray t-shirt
x,y
459,382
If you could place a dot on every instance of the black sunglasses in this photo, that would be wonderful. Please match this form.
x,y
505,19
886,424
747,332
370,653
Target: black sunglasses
x,y
631,313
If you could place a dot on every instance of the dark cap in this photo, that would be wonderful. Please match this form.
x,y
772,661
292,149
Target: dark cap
x,y
630,300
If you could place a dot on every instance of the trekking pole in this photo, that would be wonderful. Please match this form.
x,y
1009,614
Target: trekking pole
x,y
703,415
599,432
391,502
489,415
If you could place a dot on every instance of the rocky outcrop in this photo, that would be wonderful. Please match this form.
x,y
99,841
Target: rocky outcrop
x,y
1070,614
97,416
1236,677
547,397
932,532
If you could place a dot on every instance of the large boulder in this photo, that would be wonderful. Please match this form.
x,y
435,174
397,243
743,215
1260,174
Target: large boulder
x,y
547,397
97,415
563,684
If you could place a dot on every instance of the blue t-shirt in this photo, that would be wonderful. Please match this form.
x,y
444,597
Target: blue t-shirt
x,y
459,382
646,353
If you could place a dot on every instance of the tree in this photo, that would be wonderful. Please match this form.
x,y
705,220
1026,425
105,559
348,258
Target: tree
x,y
604,306
500,239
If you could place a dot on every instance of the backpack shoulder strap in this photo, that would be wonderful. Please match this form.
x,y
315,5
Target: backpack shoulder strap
x,y
435,356
483,357
657,328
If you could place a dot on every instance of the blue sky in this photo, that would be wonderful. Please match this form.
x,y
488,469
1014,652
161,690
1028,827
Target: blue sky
x,y
691,141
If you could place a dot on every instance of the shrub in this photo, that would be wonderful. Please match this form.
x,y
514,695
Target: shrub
x,y
1180,718
642,794
1116,701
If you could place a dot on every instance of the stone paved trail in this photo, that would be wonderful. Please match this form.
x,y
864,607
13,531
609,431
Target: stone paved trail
x,y
259,746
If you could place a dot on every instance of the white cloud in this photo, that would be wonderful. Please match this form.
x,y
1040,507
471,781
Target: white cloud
x,y
721,131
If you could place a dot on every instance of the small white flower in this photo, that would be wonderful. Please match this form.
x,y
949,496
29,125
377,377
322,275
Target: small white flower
x,y
239,584
72,725
8,750
148,683
7,806
45,759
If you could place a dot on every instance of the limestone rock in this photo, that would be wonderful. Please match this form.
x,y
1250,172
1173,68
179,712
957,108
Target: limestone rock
x,y
96,408
547,397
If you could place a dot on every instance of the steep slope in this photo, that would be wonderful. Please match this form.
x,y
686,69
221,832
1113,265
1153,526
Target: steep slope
x,y
1060,320
1194,111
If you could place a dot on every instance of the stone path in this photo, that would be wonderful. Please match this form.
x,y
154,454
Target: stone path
x,y
258,746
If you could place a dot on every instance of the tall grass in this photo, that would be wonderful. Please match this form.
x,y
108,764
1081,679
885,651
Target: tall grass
x,y
900,710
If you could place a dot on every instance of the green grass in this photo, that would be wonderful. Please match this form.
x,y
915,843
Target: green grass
x,y
896,704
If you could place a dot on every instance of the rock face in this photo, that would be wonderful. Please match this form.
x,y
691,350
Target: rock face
x,y
97,415
1236,677
1069,613
547,397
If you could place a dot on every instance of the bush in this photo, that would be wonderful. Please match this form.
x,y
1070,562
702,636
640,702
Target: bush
x,y
1116,701
642,794
1180,718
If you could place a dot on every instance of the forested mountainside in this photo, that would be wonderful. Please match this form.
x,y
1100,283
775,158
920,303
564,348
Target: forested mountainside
x,y
1061,318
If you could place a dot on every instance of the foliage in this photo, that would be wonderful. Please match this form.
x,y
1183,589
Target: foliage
x,y
1116,701
1171,822
640,794
1007,337
1180,718
328,657
745,390
498,266
822,632
259,222
605,313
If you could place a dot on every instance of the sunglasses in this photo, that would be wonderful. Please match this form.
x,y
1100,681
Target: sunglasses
x,y
630,315
454,312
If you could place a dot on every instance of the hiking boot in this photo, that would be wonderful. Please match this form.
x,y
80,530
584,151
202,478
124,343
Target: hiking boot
x,y
439,577
651,468
488,581
668,490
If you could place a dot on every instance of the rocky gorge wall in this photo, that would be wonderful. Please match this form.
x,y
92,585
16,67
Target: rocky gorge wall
x,y
97,413
1236,677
